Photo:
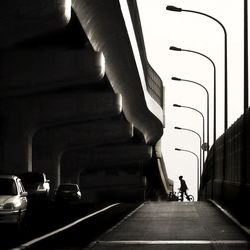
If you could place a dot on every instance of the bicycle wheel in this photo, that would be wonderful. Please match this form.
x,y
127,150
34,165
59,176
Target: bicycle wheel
x,y
191,197
179,196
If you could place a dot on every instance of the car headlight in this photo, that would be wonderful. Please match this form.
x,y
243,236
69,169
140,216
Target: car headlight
x,y
11,205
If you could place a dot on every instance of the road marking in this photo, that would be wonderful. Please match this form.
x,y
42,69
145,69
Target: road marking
x,y
115,226
29,243
171,242
245,229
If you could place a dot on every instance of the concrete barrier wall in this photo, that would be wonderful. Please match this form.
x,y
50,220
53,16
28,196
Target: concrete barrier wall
x,y
226,177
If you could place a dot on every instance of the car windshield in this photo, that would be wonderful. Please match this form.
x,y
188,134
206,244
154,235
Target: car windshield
x,y
7,187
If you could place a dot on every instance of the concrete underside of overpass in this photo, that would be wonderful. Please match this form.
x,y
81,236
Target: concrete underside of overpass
x,y
72,103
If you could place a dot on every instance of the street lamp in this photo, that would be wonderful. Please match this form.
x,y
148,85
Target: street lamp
x,y
245,55
181,106
199,140
195,52
173,8
179,149
184,80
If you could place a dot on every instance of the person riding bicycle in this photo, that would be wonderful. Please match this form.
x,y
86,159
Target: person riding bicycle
x,y
183,188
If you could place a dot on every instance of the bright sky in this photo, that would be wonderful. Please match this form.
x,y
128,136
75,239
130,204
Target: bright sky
x,y
163,29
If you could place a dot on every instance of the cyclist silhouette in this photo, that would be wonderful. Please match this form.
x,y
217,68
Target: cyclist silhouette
x,y
183,188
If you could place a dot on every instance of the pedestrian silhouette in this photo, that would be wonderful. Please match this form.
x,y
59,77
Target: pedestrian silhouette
x,y
183,188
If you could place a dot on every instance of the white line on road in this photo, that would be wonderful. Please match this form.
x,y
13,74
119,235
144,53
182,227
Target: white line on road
x,y
168,242
29,243
245,229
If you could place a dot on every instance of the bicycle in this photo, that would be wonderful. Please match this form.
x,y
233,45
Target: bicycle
x,y
189,197
172,196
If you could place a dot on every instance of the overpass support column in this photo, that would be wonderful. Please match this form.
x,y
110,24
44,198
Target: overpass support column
x,y
16,153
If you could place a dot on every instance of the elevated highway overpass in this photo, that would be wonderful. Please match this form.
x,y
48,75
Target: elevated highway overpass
x,y
80,102
79,99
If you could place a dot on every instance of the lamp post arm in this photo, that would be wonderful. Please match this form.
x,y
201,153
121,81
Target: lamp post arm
x,y
200,144
207,105
225,58
192,131
197,84
198,53
194,109
190,152
204,14
199,113
197,167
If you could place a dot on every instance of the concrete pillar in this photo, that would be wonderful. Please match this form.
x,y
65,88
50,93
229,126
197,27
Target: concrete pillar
x,y
23,116
50,143
16,150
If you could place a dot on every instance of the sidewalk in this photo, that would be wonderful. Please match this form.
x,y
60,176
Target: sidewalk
x,y
174,225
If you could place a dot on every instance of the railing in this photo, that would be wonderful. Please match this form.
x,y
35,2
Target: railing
x,y
154,85
153,81
226,176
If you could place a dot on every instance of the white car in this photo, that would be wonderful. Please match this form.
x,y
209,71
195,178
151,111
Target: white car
x,y
13,200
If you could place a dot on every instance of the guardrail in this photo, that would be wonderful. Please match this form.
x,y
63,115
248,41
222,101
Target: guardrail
x,y
226,176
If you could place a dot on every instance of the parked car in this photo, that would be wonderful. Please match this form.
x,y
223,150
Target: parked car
x,y
13,201
68,192
36,184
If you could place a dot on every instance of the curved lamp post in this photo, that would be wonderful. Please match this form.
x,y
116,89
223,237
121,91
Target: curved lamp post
x,y
184,150
181,106
245,55
203,123
184,80
195,52
173,8
190,130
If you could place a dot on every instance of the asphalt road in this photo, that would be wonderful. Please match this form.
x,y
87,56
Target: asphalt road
x,y
45,217
175,226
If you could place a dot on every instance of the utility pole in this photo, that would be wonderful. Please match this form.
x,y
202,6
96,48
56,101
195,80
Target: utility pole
x,y
245,56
